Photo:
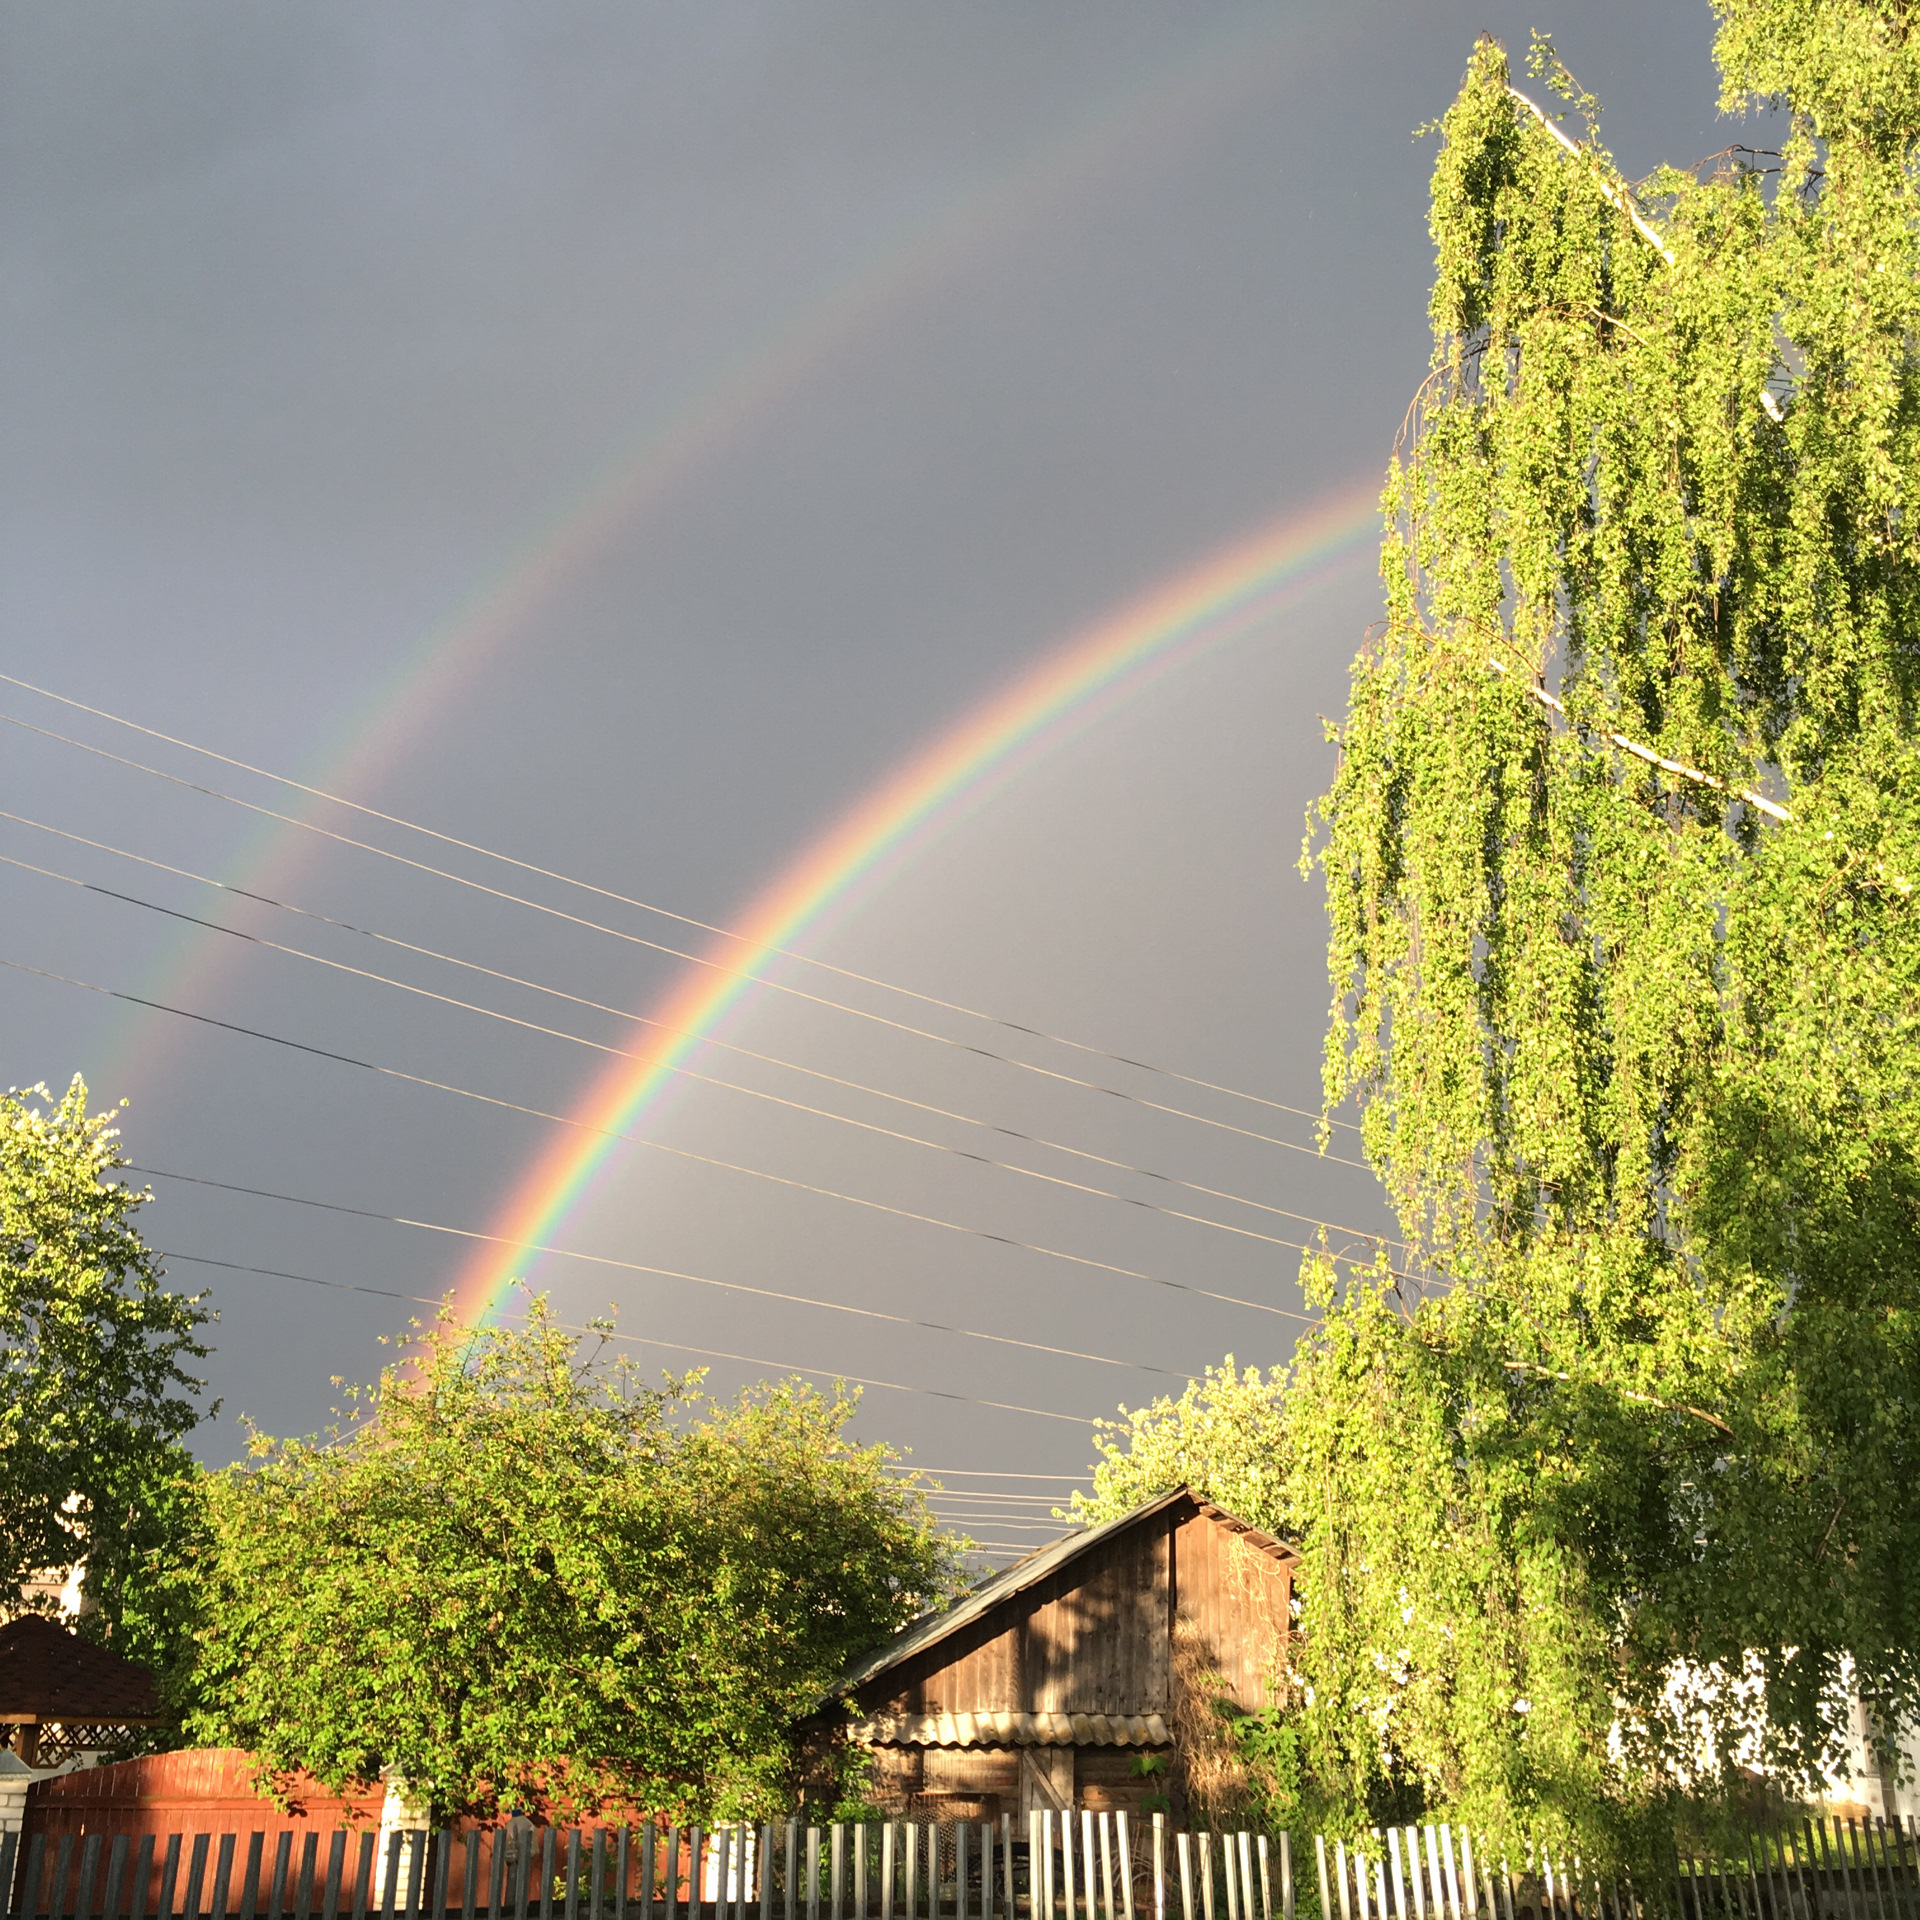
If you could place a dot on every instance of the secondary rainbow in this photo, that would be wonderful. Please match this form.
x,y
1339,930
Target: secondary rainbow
x,y
664,451
1225,597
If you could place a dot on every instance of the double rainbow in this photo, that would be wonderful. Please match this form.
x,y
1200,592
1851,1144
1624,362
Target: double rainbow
x,y
1225,598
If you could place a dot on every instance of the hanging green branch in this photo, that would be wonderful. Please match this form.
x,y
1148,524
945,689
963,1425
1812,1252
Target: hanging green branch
x,y
1627,975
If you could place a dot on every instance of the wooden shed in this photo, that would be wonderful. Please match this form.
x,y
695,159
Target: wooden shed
x,y
1043,1685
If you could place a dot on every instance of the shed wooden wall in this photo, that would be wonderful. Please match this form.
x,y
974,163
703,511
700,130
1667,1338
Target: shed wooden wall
x,y
1097,1637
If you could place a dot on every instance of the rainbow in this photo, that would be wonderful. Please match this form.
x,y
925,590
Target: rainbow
x,y
666,450
1224,598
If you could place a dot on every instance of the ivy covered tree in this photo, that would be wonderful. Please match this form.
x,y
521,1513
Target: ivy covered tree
x,y
522,1579
96,1399
1621,860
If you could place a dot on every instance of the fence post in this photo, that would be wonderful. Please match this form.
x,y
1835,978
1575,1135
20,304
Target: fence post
x,y
1125,1850
1286,1875
1006,1861
813,1872
1183,1847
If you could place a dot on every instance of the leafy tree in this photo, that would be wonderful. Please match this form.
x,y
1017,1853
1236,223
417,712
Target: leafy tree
x,y
95,1399
1224,1437
519,1577
1621,859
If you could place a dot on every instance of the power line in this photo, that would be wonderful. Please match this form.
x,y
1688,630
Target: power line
x,y
643,1020
711,1080
666,1273
683,1153
981,1473
645,906
644,1340
677,953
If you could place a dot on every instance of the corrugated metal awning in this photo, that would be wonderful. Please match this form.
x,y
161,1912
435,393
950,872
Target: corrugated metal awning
x,y
1012,1730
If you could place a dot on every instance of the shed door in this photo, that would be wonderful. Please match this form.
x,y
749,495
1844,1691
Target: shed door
x,y
1046,1779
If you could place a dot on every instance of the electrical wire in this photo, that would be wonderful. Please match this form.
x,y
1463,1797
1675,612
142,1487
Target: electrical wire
x,y
643,1020
661,1146
667,1273
982,1473
645,906
757,1093
677,953
645,1340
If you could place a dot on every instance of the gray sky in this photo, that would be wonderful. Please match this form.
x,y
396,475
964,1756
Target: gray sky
x,y
915,339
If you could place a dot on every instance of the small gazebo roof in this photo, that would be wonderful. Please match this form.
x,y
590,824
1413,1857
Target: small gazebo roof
x,y
48,1674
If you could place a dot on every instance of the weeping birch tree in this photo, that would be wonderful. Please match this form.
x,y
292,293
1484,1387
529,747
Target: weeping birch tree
x,y
1621,860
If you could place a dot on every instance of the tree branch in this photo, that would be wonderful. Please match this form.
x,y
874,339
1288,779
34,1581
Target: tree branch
x,y
1619,196
1772,808
1644,1399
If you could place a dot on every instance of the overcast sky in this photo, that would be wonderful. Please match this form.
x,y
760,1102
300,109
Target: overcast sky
x,y
617,435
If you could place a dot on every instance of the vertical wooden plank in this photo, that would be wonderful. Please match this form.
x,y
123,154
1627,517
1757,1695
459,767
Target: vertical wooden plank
x,y
765,1870
911,1835
622,1871
813,1873
1286,1875
330,1892
886,1869
1209,1911
116,1875
282,1869
1105,1824
1902,1874
860,1870
222,1875
986,1870
362,1888
670,1874
196,1874
1086,1863
792,1881
1183,1856
837,1870
960,1870
1067,1879
389,1888
9,1859
62,1871
416,1872
1047,1869
142,1877
1010,1886
303,1880
1246,1872
649,1865
1873,1840
29,1904
1469,1879
1447,1867
596,1878
496,1874
250,1876
1124,1848
1434,1885
89,1872
1160,1867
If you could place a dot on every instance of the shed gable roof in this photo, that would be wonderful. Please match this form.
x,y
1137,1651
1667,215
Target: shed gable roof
x,y
1040,1565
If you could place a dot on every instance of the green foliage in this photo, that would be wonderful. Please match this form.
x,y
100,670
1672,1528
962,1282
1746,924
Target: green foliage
x,y
95,1399
1222,1437
519,1577
1633,1032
